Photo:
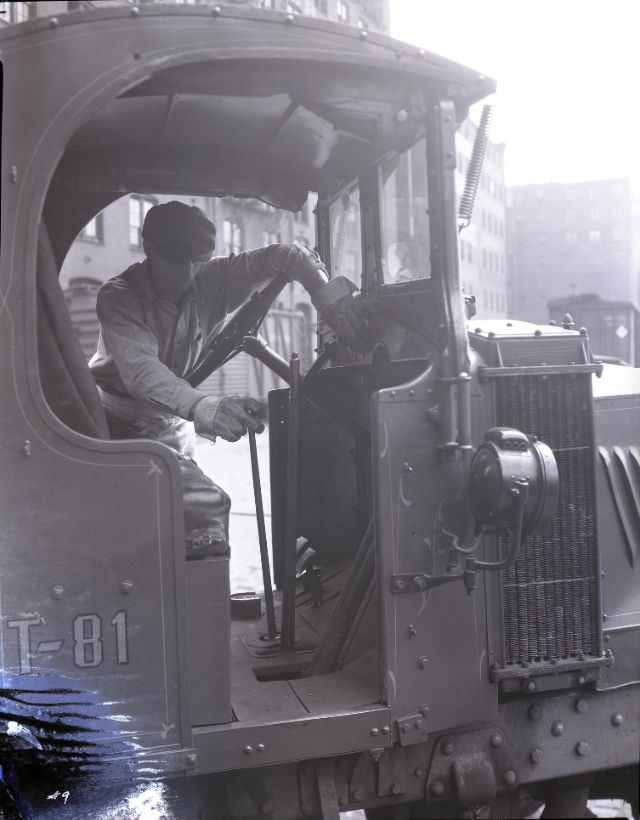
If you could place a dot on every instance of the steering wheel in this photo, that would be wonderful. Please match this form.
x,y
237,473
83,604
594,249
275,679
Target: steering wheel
x,y
245,322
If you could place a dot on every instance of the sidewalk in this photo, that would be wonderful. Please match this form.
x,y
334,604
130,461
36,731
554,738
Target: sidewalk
x,y
229,465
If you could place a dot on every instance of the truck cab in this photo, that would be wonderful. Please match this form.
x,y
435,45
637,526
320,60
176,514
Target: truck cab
x,y
433,624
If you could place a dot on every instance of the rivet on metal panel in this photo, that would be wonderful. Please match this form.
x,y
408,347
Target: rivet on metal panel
x,y
290,18
582,748
135,12
423,662
374,731
376,754
364,34
581,680
419,773
509,777
248,750
57,593
478,330
53,23
437,788
260,747
496,741
14,173
401,115
357,793
126,587
581,705
536,755
535,712
407,467
529,685
616,719
412,392
26,448
447,748
385,730
216,11
491,334
396,788
537,332
412,631
393,392
419,723
557,728
191,759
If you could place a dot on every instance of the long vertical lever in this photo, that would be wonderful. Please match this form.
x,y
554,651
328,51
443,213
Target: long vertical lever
x,y
291,513
262,539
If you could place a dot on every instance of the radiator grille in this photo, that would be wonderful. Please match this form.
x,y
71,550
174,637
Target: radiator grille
x,y
550,603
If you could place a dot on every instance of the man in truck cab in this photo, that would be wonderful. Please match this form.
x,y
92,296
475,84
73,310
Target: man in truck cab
x,y
156,317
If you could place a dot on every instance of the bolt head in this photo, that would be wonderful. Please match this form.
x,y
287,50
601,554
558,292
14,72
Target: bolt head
x,y
248,750
437,788
582,748
447,747
57,593
216,11
496,741
581,705
423,662
557,728
536,755
260,747
126,587
135,12
374,732
510,777
396,788
616,719
385,730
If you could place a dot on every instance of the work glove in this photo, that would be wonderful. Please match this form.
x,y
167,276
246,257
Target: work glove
x,y
337,306
230,418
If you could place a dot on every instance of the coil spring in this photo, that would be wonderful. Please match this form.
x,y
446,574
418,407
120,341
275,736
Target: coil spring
x,y
474,172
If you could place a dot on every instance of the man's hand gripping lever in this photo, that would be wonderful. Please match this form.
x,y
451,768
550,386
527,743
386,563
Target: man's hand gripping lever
x,y
337,306
230,418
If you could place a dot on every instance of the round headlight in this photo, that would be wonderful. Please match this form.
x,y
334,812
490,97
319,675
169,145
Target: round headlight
x,y
505,459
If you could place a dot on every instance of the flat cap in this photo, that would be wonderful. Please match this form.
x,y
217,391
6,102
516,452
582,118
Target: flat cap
x,y
179,232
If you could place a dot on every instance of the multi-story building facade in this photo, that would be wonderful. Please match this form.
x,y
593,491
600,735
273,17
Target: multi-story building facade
x,y
570,240
482,245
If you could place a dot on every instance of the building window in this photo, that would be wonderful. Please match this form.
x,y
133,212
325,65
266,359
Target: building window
x,y
321,6
267,4
138,208
342,11
293,7
15,12
594,236
232,236
93,231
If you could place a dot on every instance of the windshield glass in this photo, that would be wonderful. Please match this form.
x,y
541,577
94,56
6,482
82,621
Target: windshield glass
x,y
346,241
405,217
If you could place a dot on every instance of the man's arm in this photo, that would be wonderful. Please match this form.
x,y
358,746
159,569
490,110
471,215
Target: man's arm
x,y
134,349
230,281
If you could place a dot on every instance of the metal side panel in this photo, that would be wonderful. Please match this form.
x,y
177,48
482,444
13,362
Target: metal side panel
x,y
417,511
